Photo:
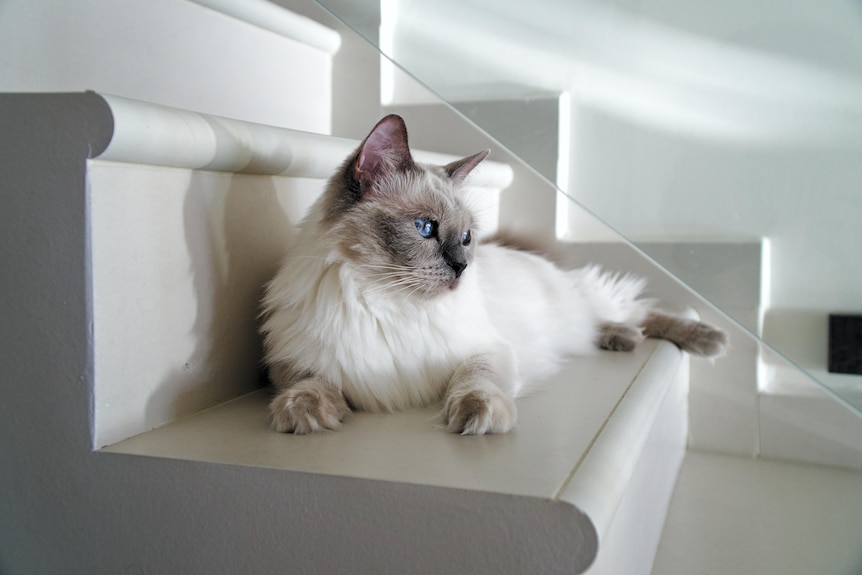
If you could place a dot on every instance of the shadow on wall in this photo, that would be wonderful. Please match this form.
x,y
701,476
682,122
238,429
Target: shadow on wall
x,y
236,231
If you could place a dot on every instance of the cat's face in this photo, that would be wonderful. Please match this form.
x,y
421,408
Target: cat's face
x,y
416,237
404,227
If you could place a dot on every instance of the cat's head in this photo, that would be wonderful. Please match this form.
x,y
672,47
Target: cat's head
x,y
403,226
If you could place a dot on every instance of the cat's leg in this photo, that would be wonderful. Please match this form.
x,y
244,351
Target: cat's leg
x,y
689,335
479,398
309,404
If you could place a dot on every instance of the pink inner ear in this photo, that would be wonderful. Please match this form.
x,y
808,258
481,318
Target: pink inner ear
x,y
385,148
357,166
460,169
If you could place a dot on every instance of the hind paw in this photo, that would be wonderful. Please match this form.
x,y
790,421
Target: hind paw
x,y
619,337
706,340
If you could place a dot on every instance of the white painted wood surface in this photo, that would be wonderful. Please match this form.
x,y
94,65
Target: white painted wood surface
x,y
605,437
742,515
173,52
145,133
271,17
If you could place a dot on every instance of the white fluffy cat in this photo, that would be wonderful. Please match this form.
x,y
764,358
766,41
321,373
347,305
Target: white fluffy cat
x,y
388,300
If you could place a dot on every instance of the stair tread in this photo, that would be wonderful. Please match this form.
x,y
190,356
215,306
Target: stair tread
x,y
556,427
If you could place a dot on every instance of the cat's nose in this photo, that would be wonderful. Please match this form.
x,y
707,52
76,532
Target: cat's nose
x,y
458,267
455,258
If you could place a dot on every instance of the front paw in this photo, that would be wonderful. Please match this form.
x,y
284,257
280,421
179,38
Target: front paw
x,y
475,411
306,407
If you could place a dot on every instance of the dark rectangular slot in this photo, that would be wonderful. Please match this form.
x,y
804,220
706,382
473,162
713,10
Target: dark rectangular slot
x,y
845,343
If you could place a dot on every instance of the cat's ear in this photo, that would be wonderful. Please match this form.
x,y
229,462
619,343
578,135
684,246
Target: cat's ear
x,y
383,151
459,169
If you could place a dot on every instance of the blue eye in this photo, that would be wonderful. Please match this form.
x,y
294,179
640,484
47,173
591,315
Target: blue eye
x,y
426,228
466,238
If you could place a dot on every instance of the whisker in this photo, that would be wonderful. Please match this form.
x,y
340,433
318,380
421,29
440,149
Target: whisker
x,y
303,257
390,267
396,287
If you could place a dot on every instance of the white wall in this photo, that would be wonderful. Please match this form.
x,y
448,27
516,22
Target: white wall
x,y
179,259
803,198
356,65
172,52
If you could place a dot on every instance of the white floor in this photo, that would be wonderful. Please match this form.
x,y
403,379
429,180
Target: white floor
x,y
734,516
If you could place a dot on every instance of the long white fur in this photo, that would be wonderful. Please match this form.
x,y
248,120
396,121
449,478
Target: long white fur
x,y
387,351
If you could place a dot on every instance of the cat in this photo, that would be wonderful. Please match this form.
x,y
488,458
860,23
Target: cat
x,y
388,300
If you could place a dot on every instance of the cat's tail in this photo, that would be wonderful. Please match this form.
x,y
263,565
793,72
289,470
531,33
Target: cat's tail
x,y
624,317
613,298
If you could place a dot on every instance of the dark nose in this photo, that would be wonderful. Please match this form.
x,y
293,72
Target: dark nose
x,y
458,267
455,259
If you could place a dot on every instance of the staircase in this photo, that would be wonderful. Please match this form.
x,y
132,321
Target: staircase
x,y
138,227
181,218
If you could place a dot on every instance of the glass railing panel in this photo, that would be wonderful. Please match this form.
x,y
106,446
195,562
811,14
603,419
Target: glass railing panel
x,y
713,136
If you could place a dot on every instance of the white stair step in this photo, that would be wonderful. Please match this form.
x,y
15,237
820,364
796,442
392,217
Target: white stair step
x,y
733,514
593,459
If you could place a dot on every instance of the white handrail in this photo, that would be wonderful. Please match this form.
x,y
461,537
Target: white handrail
x,y
597,485
147,133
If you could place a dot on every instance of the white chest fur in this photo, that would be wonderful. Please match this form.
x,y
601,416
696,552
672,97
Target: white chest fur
x,y
384,351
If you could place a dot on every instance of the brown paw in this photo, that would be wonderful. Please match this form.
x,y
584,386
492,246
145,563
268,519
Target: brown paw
x,y
695,337
706,340
308,406
479,411
619,337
